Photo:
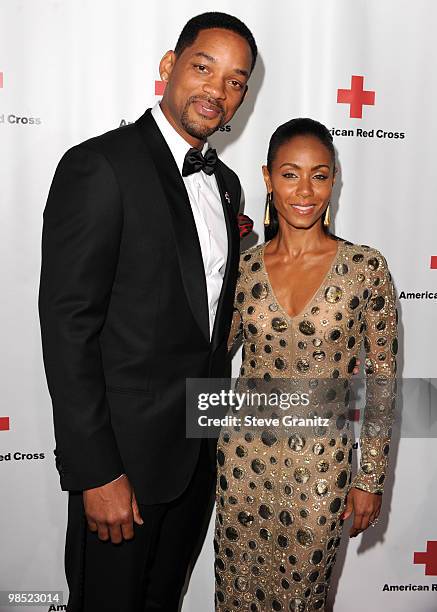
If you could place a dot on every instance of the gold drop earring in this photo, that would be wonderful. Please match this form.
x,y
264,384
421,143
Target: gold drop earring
x,y
327,217
269,200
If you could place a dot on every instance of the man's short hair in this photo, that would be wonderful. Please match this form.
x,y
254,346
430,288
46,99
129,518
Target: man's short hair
x,y
207,21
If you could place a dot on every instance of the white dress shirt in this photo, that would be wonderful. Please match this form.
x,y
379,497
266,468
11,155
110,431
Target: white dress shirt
x,y
207,208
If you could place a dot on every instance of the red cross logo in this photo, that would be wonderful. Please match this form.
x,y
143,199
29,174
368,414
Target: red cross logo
x,y
356,97
428,558
433,265
160,87
4,423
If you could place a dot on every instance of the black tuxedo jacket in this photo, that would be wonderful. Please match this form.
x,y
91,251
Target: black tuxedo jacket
x,y
124,313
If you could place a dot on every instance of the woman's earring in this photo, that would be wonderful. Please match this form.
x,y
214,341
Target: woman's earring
x,y
327,217
269,200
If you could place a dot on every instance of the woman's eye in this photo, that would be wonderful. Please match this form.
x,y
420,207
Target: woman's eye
x,y
321,177
289,175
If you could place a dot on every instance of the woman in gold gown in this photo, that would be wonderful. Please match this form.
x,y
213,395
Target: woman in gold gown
x,y
305,302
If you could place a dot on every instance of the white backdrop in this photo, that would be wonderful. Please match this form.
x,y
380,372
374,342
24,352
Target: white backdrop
x,y
70,70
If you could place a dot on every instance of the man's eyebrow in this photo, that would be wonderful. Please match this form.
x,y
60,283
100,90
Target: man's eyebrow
x,y
212,59
205,55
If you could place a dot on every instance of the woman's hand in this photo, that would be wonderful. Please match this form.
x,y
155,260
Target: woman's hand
x,y
366,508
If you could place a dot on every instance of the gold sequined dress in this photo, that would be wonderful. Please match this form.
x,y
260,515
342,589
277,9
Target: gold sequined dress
x,y
280,492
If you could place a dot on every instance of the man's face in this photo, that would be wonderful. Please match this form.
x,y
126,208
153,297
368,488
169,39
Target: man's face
x,y
206,83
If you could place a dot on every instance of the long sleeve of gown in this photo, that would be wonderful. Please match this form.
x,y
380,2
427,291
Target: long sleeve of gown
x,y
381,347
236,328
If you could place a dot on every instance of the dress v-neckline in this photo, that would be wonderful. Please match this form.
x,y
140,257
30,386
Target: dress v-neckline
x,y
315,294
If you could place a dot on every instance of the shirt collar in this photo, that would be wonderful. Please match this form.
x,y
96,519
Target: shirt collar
x,y
177,145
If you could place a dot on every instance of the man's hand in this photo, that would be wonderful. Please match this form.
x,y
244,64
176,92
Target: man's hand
x,y
366,508
111,509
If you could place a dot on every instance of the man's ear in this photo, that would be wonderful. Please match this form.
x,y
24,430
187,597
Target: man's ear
x,y
166,65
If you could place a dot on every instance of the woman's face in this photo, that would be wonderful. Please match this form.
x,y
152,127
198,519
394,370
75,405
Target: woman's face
x,y
301,180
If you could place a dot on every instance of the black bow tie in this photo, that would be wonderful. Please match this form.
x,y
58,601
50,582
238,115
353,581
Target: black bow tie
x,y
195,161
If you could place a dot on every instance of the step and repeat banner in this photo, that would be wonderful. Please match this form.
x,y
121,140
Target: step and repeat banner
x,y
71,70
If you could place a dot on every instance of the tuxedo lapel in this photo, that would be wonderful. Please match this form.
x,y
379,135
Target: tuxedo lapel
x,y
184,227
229,279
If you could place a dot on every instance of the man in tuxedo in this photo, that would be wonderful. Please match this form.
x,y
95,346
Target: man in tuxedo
x,y
140,252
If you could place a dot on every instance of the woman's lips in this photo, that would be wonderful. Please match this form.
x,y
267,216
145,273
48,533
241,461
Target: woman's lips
x,y
307,209
206,110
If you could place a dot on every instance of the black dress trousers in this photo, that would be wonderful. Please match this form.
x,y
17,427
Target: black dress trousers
x,y
146,573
